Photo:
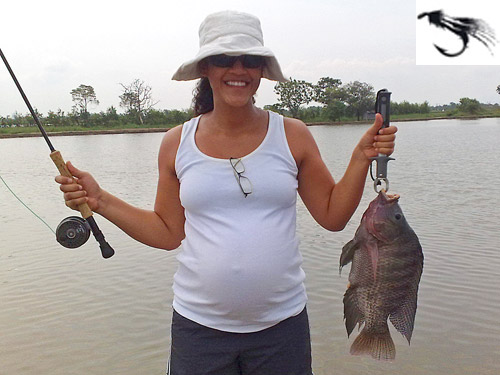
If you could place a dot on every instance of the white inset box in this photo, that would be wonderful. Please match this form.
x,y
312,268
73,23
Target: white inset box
x,y
457,32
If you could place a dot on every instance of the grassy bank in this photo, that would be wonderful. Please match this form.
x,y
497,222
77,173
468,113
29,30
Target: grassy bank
x,y
442,115
32,131
412,117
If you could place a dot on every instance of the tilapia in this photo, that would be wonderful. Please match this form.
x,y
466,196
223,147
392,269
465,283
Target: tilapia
x,y
387,262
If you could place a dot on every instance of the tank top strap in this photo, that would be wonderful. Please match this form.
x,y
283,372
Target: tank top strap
x,y
276,139
188,128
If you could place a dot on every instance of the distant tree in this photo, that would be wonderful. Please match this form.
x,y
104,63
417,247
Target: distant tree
x,y
360,97
336,99
56,118
82,96
335,110
178,117
406,107
18,119
137,99
155,117
329,92
25,120
324,88
424,107
112,114
109,118
275,108
293,94
311,113
468,105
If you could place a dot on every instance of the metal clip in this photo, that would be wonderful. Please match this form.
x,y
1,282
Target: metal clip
x,y
378,182
382,161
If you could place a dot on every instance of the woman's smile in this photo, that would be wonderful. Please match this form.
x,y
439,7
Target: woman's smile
x,y
236,83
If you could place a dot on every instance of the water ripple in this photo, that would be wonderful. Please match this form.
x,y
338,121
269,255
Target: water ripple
x,y
71,312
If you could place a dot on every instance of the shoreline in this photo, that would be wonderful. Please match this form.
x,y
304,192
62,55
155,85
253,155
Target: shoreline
x,y
85,132
364,122
163,130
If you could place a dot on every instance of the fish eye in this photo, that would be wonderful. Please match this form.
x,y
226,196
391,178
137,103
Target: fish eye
x,y
398,216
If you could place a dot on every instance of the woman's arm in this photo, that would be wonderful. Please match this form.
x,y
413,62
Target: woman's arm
x,y
163,227
332,204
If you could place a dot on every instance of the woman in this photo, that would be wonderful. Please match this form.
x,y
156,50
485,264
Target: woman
x,y
227,190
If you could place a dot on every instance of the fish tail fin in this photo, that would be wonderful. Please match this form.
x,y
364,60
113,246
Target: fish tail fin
x,y
379,345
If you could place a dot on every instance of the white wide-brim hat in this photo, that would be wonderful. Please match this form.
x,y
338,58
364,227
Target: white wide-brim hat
x,y
230,33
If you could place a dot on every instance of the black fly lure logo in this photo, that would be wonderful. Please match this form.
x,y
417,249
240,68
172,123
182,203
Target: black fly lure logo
x,y
463,27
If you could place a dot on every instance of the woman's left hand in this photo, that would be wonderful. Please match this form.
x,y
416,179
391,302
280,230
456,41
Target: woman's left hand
x,y
377,140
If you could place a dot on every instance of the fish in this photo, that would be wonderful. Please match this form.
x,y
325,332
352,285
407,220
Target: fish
x,y
387,264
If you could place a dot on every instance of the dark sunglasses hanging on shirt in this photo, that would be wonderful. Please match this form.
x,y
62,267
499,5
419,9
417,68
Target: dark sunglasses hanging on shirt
x,y
243,181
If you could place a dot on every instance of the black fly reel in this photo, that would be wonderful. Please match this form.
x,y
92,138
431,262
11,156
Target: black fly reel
x,y
73,232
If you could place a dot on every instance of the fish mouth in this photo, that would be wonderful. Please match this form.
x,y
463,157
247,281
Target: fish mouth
x,y
389,198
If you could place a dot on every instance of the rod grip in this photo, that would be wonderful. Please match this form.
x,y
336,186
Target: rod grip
x,y
63,170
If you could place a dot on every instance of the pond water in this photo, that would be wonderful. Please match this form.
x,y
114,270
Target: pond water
x,y
72,312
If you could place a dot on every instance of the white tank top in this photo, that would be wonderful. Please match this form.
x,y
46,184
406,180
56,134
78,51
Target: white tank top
x,y
239,266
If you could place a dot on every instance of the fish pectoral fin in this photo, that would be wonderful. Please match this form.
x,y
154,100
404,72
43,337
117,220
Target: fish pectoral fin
x,y
348,253
352,313
372,247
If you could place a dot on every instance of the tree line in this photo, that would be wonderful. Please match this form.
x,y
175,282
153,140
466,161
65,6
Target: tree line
x,y
136,99
353,100
335,102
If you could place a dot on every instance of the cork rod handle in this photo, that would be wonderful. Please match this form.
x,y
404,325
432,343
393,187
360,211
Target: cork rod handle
x,y
63,169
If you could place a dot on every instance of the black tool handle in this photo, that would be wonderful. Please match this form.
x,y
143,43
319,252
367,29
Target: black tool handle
x,y
383,106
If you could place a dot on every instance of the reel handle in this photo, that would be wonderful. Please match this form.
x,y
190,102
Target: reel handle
x,y
63,169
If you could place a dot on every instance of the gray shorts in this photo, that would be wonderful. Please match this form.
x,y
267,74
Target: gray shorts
x,y
284,349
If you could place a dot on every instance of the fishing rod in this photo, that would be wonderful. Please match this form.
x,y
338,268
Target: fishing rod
x,y
382,106
73,231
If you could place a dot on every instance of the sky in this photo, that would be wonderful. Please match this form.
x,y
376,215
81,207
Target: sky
x,y
54,46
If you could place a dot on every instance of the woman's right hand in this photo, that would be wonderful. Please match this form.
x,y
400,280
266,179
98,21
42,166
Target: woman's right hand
x,y
83,188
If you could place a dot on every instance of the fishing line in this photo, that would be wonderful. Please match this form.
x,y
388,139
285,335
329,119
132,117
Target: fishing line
x,y
25,205
73,231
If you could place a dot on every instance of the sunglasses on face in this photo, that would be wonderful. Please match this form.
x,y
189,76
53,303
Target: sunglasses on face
x,y
248,61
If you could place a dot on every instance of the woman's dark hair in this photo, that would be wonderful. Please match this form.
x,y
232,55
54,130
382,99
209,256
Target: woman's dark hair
x,y
203,100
